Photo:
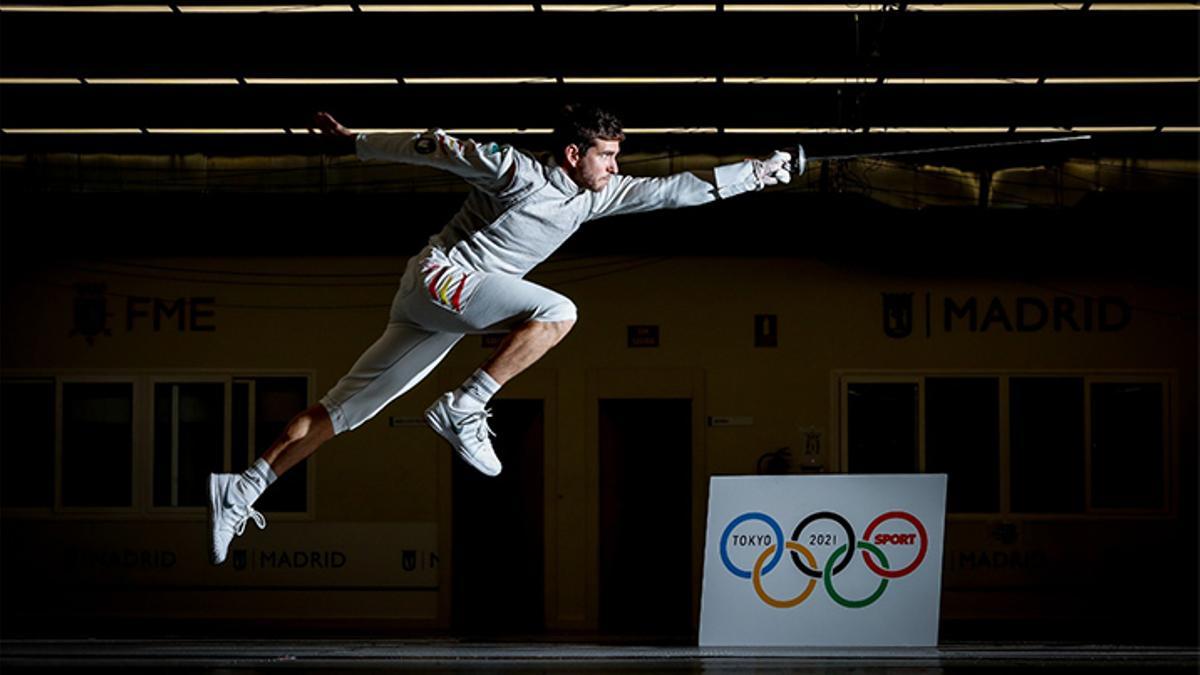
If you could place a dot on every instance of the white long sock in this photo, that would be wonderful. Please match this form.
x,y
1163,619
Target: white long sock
x,y
255,479
475,392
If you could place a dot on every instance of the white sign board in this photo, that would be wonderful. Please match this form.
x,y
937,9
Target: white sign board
x,y
779,569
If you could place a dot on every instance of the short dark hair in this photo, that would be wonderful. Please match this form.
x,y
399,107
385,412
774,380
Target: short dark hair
x,y
580,125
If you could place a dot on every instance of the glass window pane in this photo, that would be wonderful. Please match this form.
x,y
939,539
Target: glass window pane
x,y
97,453
27,443
1127,445
189,440
276,401
962,439
882,427
1046,422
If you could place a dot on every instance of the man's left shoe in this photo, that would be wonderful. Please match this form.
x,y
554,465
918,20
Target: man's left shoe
x,y
228,512
468,433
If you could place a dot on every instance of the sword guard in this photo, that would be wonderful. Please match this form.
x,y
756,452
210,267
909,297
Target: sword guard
x,y
799,161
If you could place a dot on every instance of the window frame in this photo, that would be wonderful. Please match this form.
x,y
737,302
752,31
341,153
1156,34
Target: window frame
x,y
143,380
840,379
138,421
1170,455
226,435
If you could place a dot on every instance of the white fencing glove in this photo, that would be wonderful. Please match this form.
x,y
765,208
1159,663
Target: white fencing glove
x,y
774,170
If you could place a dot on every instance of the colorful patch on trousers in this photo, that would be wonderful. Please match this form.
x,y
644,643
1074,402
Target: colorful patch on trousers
x,y
446,287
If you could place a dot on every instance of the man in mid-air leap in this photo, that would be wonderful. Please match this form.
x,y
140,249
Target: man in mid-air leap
x,y
470,279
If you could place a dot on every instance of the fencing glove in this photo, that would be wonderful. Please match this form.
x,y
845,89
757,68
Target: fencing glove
x,y
774,170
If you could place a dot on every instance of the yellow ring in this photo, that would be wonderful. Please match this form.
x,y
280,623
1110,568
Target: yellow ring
x,y
783,604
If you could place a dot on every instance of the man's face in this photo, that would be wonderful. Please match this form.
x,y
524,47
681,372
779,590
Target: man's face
x,y
593,169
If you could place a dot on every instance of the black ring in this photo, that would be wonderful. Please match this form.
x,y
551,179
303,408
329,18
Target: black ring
x,y
822,515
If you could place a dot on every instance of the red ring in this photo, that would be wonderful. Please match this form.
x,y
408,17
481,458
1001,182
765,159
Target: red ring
x,y
889,574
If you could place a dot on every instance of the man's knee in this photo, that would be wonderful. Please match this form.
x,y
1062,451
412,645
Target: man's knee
x,y
312,420
555,330
559,310
563,327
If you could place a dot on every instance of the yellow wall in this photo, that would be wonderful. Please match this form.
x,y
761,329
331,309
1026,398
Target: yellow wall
x,y
830,324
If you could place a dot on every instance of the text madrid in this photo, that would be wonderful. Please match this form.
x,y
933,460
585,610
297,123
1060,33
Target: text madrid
x,y
1030,314
1024,314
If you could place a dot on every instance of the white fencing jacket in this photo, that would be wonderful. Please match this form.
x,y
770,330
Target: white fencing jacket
x,y
521,210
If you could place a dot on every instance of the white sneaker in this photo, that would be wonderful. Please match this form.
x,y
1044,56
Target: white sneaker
x,y
228,513
467,432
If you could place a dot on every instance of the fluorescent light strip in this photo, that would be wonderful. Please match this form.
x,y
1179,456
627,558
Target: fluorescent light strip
x,y
264,9
319,80
216,131
446,8
90,9
500,131
960,80
864,7
801,80
639,80
393,130
965,7
630,8
1050,6
72,131
939,130
1145,6
1101,130
159,80
1184,130
39,80
783,130
673,130
1122,80
993,6
478,80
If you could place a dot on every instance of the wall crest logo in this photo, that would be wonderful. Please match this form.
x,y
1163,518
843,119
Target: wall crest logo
x,y
90,312
897,314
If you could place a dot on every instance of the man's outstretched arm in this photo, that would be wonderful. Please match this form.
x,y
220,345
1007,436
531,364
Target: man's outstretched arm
x,y
626,194
490,166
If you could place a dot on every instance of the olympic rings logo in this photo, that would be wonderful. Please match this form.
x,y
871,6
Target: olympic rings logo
x,y
804,560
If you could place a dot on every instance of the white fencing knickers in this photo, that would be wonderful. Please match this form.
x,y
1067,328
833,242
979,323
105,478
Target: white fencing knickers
x,y
438,302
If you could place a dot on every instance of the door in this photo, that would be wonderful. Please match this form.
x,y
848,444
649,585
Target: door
x,y
645,584
497,578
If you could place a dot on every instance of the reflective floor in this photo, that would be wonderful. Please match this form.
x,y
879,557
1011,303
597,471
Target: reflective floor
x,y
341,655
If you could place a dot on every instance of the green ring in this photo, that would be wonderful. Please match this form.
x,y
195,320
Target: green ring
x,y
854,604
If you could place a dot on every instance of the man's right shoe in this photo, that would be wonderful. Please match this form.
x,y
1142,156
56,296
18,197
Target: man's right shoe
x,y
228,513
467,432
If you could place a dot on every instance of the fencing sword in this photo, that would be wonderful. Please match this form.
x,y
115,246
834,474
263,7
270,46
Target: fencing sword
x,y
801,159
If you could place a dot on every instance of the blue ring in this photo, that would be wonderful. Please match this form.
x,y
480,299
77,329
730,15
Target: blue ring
x,y
738,521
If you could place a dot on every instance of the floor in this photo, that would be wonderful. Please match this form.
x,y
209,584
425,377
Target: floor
x,y
450,656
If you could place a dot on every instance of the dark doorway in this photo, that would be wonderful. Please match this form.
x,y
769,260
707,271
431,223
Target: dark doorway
x,y
497,535
646,516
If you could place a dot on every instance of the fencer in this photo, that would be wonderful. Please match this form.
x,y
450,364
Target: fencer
x,y
470,279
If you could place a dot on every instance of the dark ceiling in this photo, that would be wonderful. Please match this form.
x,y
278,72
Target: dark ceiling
x,y
142,193
722,44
